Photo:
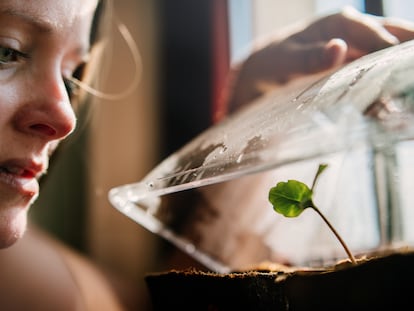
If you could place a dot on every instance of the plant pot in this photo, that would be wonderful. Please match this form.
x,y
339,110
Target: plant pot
x,y
381,282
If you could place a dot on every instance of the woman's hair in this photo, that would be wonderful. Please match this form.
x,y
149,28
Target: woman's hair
x,y
87,73
87,79
97,22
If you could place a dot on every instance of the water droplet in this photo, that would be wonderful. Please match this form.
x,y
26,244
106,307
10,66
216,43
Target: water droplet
x,y
299,106
190,248
223,149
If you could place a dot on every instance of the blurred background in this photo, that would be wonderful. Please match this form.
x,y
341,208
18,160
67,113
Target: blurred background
x,y
186,48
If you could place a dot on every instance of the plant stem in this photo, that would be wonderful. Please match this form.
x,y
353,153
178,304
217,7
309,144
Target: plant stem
x,y
321,168
351,257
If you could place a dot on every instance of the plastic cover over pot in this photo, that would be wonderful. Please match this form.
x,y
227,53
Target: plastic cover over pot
x,y
210,197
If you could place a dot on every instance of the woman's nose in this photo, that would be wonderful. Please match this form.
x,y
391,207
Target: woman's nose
x,y
47,112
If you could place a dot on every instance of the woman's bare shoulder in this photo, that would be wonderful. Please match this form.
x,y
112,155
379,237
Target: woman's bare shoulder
x,y
40,273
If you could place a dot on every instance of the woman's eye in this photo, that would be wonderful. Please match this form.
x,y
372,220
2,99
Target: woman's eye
x,y
8,55
71,88
78,73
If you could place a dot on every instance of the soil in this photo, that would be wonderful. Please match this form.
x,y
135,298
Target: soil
x,y
380,282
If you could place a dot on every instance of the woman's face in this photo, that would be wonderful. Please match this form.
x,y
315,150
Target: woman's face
x,y
42,42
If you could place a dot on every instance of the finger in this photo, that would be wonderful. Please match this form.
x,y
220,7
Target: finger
x,y
362,32
365,32
314,58
336,53
402,29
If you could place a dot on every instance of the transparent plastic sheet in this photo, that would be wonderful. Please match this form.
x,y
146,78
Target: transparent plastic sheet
x,y
356,118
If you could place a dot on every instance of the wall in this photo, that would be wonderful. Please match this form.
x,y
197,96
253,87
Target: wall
x,y
124,145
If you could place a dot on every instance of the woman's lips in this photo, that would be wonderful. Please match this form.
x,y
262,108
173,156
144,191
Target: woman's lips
x,y
21,176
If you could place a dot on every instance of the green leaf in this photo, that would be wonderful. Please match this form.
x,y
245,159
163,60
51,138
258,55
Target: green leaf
x,y
290,198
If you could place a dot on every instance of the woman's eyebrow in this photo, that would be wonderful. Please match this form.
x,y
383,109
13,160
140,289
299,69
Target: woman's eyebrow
x,y
41,26
37,23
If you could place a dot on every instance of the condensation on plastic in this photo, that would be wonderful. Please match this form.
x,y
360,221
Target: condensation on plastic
x,y
312,119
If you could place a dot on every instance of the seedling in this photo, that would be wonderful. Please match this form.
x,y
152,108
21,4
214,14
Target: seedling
x,y
292,197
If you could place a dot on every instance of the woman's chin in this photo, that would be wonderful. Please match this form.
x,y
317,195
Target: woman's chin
x,y
12,226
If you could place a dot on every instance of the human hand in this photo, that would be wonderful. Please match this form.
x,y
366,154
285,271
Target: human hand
x,y
323,44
